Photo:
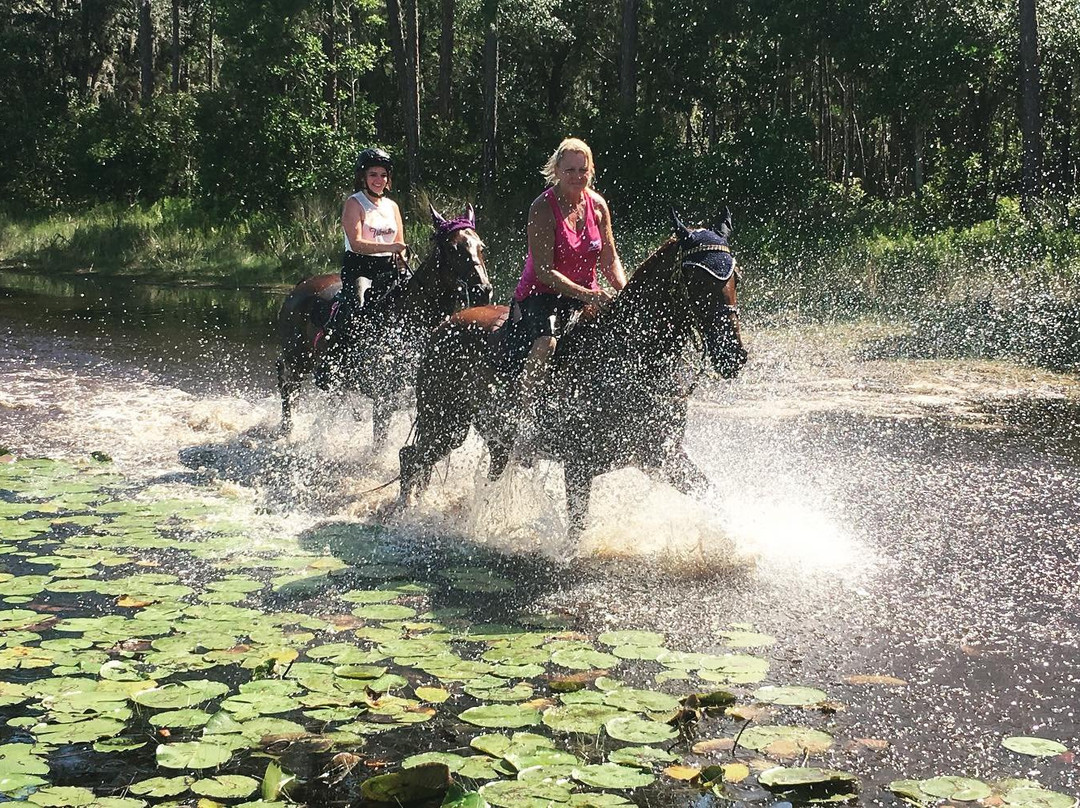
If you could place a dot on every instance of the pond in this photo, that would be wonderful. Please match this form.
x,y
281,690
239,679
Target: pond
x,y
880,591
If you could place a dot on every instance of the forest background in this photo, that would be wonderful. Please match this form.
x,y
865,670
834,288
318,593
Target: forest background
x,y
873,151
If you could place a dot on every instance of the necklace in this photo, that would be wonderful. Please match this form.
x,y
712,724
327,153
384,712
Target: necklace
x,y
576,211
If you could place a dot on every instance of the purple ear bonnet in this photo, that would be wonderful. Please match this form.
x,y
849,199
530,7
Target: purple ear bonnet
x,y
447,227
706,250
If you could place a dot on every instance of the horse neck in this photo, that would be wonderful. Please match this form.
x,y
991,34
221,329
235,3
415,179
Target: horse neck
x,y
427,296
647,321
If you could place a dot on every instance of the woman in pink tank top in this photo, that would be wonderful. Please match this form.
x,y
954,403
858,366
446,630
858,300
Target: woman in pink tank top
x,y
570,243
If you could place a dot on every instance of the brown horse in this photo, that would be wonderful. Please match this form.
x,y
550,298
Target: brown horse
x,y
387,335
618,386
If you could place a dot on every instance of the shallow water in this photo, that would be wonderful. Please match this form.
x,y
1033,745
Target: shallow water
x,y
916,518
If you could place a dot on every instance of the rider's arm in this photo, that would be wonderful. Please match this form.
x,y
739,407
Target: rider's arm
x,y
610,264
352,220
541,232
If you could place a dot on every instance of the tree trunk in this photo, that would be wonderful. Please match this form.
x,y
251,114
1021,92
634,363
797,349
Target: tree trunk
x,y
489,167
146,51
404,43
446,59
1030,124
330,87
628,55
917,159
1062,140
176,46
210,47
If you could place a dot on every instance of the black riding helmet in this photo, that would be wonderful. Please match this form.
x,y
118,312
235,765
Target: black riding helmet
x,y
374,157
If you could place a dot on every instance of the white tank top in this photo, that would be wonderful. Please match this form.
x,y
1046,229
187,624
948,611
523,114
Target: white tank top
x,y
379,224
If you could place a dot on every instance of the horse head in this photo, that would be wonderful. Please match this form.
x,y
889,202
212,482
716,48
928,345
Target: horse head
x,y
709,277
461,257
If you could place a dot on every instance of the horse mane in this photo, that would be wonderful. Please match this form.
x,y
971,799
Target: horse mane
x,y
645,282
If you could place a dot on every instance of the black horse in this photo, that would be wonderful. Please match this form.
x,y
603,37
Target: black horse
x,y
386,337
619,383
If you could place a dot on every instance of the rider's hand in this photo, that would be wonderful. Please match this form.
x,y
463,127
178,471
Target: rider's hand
x,y
600,297
397,247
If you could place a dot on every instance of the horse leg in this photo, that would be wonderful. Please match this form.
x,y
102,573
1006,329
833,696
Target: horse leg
x,y
382,408
578,482
418,459
288,379
683,474
499,452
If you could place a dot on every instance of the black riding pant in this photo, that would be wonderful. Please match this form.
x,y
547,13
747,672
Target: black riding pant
x,y
379,269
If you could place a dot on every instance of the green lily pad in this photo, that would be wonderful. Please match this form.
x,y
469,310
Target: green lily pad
x,y
587,719
225,787
1035,747
961,789
432,695
525,794
592,799
643,757
807,784
1027,797
480,581
612,775
747,639
180,719
19,758
638,638
786,741
360,671
179,695
636,730
457,797
737,668
638,701
422,782
497,716
191,755
72,796
790,696
582,659
546,756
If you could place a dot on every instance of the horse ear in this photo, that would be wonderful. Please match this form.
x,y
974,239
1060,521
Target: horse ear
x,y
722,224
436,217
680,228
470,214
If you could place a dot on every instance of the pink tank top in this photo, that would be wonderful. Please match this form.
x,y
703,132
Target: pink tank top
x,y
576,254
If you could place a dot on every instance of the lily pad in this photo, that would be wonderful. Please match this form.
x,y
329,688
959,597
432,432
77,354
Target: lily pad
x,y
1035,747
1027,797
612,775
180,695
225,787
582,659
636,730
790,696
641,756
638,701
496,716
420,783
587,719
68,796
961,789
525,793
191,755
786,741
807,784
639,638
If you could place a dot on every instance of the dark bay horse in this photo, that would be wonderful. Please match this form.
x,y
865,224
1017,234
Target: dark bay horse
x,y
388,334
618,386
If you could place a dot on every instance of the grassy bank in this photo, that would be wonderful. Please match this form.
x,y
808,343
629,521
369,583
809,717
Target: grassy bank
x,y
849,268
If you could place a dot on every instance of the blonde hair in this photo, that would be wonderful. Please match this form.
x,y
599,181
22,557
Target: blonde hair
x,y
570,144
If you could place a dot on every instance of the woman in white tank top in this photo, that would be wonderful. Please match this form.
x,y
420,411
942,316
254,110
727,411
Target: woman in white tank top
x,y
374,234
